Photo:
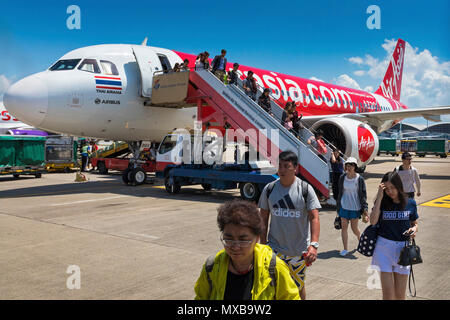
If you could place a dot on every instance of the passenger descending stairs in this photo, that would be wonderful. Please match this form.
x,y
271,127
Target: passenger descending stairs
x,y
242,112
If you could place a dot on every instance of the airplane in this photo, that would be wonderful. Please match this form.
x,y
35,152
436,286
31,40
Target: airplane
x,y
11,126
102,92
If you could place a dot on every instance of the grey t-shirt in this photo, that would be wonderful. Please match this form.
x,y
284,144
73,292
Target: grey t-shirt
x,y
289,231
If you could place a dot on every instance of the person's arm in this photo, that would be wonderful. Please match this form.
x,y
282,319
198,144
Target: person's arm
x,y
417,180
414,229
313,217
201,287
286,288
265,219
363,199
333,158
375,214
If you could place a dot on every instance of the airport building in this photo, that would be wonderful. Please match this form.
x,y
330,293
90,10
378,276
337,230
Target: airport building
x,y
406,130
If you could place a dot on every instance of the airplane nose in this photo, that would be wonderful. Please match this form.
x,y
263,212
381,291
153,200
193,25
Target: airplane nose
x,y
27,100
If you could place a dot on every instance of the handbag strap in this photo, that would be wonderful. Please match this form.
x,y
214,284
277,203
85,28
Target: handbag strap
x,y
411,273
411,276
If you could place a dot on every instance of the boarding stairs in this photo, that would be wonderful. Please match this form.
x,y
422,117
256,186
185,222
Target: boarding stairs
x,y
233,107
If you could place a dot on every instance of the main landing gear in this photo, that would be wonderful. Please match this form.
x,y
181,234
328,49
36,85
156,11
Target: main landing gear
x,y
134,175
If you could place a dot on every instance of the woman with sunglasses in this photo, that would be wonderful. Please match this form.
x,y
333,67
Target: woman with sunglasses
x,y
244,269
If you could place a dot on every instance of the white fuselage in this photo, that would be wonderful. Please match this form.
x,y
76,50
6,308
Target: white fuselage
x,y
68,101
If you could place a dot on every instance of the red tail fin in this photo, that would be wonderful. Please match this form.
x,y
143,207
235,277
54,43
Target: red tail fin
x,y
392,82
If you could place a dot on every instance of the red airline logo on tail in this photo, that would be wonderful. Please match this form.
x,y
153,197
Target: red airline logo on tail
x,y
392,82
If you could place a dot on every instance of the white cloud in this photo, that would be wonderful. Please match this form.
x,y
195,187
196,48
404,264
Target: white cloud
x,y
356,60
369,89
4,84
316,79
347,81
426,79
359,73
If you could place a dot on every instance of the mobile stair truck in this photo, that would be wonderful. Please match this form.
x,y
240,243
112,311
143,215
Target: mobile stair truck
x,y
230,113
227,168
22,155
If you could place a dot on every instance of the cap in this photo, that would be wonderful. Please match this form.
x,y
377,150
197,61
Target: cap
x,y
351,160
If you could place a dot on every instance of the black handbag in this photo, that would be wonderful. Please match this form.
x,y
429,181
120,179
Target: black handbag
x,y
368,240
337,223
410,255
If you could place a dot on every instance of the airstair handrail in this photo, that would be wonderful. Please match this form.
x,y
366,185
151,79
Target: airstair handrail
x,y
274,122
254,116
239,86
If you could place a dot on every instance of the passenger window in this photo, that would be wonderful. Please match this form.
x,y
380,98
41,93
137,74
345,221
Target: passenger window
x,y
89,65
68,64
109,68
164,63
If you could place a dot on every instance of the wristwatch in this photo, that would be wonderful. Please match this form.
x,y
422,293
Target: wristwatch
x,y
315,245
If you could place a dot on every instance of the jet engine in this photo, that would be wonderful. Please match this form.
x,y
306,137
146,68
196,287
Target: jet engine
x,y
351,137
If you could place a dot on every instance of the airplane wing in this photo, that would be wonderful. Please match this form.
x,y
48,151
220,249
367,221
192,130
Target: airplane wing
x,y
376,118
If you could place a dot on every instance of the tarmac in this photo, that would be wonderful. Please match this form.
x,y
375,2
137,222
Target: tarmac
x,y
140,242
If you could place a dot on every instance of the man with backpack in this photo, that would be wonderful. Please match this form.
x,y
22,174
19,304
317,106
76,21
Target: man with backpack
x,y
409,175
293,207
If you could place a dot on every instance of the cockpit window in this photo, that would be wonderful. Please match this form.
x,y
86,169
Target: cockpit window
x,y
68,64
109,68
89,65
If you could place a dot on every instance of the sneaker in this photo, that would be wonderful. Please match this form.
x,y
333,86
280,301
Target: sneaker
x,y
343,253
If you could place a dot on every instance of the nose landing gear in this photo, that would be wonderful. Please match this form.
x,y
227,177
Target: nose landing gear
x,y
134,175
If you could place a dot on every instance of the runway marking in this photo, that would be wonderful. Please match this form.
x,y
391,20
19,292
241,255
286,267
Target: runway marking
x,y
83,201
442,202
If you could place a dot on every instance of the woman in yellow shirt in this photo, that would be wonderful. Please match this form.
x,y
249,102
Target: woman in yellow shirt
x,y
245,269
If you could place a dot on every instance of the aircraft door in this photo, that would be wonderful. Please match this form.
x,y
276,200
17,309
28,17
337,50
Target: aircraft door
x,y
148,62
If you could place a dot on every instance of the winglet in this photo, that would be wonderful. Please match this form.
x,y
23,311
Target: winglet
x,y
144,43
392,82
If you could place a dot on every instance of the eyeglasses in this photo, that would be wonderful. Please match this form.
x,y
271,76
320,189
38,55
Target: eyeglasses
x,y
238,243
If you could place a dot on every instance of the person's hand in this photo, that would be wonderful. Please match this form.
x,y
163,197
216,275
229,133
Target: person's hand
x,y
365,218
381,188
311,255
411,232
418,193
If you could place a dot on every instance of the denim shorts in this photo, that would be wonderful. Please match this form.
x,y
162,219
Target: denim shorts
x,y
349,214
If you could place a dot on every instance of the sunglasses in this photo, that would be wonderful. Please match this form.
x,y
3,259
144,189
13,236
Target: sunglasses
x,y
238,243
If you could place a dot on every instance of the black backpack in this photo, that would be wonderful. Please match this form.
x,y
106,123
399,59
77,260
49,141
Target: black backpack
x,y
304,190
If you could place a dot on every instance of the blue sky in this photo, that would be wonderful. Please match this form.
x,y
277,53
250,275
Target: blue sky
x,y
302,38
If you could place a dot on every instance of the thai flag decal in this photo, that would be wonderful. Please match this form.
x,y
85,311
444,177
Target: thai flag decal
x,y
111,83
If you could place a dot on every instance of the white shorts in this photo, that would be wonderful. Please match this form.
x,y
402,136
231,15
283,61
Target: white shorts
x,y
386,255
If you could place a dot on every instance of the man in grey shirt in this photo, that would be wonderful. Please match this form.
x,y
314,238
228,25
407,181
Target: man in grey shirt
x,y
292,206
